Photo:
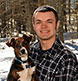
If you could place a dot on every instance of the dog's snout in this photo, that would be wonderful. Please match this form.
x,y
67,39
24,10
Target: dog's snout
x,y
23,51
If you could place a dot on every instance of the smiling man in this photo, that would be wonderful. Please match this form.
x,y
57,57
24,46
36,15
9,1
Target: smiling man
x,y
53,61
45,26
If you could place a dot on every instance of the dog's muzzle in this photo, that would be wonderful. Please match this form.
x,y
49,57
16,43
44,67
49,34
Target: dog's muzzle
x,y
23,50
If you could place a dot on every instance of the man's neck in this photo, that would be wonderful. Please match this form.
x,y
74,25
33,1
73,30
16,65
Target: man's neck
x,y
47,44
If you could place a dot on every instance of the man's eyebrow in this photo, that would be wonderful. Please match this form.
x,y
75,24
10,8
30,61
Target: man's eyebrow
x,y
47,20
38,20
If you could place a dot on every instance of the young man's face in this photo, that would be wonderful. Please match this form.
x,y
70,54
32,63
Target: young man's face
x,y
45,25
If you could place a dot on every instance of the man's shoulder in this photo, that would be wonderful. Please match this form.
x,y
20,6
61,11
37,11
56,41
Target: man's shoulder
x,y
68,54
65,51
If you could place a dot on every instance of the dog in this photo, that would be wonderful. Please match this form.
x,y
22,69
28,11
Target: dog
x,y
21,69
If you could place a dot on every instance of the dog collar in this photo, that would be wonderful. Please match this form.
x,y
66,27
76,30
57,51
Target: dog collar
x,y
27,66
21,60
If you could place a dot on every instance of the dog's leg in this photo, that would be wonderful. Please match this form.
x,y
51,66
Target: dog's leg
x,y
13,76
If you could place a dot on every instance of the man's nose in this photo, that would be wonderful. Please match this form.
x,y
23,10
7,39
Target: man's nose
x,y
44,25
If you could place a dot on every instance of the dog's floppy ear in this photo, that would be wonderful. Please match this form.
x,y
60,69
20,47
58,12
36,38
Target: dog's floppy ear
x,y
11,43
27,38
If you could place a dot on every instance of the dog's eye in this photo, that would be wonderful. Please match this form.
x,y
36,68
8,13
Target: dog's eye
x,y
16,46
24,43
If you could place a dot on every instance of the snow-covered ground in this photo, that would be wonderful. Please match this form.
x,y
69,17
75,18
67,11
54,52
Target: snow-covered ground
x,y
7,55
73,46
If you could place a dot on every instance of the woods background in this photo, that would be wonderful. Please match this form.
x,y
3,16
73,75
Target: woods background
x,y
16,16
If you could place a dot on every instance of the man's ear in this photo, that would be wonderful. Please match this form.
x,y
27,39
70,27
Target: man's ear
x,y
34,26
58,23
11,42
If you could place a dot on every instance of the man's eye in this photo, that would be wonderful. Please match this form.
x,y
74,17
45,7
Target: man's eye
x,y
24,43
37,22
49,21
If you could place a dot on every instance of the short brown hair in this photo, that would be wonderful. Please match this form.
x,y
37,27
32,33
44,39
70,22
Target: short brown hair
x,y
46,8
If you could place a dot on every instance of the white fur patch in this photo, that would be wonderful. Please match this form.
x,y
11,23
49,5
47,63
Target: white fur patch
x,y
26,74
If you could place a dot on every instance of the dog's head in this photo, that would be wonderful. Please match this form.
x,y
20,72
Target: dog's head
x,y
20,45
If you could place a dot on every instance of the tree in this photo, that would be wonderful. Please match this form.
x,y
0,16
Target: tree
x,y
61,17
76,10
21,12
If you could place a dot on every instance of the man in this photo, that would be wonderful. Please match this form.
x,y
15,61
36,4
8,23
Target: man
x,y
54,62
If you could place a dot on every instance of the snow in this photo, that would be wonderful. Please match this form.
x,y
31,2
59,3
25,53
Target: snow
x,y
7,55
72,45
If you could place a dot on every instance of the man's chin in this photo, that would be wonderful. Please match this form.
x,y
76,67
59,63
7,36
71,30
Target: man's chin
x,y
44,38
47,38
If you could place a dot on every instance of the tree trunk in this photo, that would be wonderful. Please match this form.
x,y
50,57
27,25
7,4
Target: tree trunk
x,y
69,8
61,17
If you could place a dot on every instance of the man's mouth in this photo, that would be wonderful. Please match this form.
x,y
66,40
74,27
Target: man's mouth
x,y
44,31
